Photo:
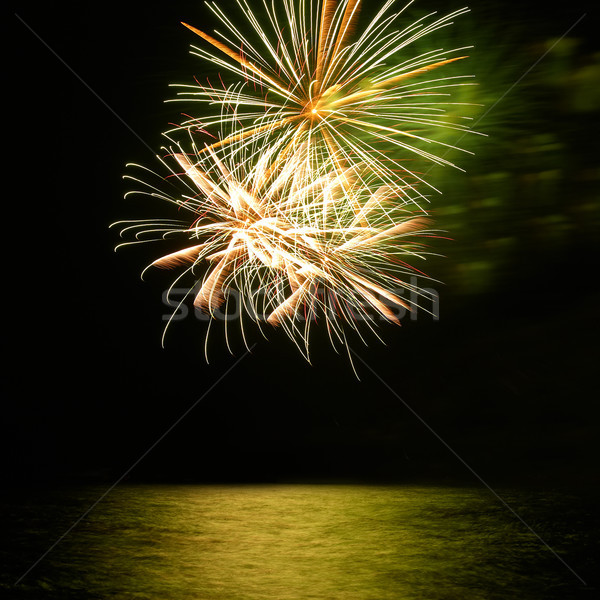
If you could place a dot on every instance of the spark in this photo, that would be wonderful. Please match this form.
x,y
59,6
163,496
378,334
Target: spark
x,y
358,97
301,245
293,184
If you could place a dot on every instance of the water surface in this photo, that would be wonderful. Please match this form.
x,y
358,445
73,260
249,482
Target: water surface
x,y
300,542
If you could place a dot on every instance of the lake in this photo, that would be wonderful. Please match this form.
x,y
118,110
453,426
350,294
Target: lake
x,y
297,542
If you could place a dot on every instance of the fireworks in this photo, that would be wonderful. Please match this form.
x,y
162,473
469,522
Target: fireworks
x,y
355,95
304,204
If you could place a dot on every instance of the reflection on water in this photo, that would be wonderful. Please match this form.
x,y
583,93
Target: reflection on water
x,y
295,542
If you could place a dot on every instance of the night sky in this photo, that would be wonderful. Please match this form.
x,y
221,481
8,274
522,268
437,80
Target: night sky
x,y
507,378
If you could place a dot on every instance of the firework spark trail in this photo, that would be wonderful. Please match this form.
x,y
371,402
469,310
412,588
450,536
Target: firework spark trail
x,y
302,203
291,242
315,77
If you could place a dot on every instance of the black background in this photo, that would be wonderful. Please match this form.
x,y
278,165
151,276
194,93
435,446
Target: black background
x,y
507,380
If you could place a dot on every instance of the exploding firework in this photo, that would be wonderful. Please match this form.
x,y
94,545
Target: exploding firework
x,y
354,95
303,203
299,246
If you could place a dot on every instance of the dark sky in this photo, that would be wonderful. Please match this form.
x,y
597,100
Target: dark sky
x,y
506,379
